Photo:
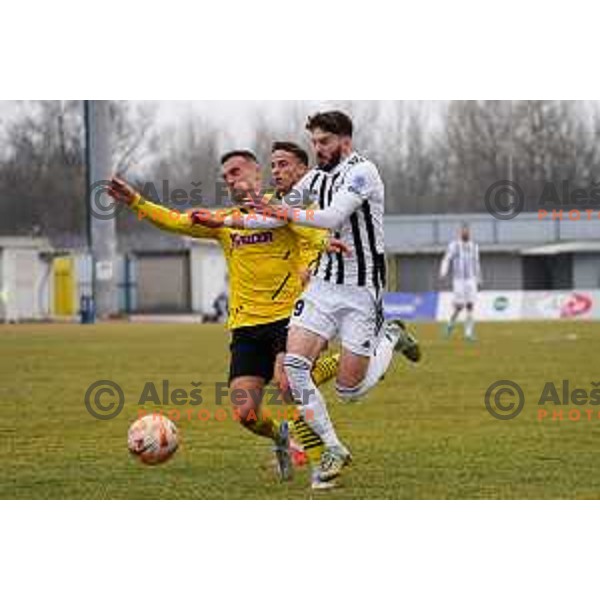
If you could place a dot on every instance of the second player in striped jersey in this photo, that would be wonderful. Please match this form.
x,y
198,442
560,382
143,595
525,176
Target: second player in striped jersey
x,y
462,260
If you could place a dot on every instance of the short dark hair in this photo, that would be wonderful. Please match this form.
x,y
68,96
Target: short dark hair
x,y
333,121
292,148
247,154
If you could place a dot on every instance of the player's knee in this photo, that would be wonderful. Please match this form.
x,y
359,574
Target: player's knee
x,y
246,402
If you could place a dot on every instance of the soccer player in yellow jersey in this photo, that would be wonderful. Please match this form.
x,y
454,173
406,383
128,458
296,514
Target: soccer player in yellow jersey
x,y
265,270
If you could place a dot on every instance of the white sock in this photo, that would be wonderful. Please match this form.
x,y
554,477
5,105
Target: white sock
x,y
309,400
378,365
469,324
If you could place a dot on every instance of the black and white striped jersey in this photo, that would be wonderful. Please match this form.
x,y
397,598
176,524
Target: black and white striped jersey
x,y
463,258
362,231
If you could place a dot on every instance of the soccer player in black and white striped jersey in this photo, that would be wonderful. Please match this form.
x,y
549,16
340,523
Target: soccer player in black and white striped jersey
x,y
462,258
344,296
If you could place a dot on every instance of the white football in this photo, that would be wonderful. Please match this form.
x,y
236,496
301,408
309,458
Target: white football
x,y
153,439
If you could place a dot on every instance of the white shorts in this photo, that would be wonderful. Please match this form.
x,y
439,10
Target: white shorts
x,y
348,312
465,291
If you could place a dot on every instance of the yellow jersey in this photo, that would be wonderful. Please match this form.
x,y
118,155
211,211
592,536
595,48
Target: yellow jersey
x,y
264,264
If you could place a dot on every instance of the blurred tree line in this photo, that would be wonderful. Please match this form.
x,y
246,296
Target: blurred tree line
x,y
42,165
435,157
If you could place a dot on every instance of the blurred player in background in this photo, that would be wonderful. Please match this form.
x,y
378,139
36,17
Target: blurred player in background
x,y
265,280
462,257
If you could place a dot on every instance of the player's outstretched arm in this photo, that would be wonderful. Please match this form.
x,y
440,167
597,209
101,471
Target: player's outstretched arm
x,y
344,203
329,218
199,223
252,220
360,182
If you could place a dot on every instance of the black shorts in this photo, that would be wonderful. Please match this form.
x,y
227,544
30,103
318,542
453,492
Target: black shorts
x,y
254,349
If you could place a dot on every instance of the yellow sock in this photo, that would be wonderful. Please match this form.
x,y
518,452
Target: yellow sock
x,y
311,442
265,426
325,369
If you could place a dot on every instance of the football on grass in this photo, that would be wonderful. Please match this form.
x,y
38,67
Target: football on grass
x,y
153,439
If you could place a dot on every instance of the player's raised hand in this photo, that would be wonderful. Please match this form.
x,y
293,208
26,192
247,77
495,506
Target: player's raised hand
x,y
203,216
305,276
121,191
237,220
262,207
338,247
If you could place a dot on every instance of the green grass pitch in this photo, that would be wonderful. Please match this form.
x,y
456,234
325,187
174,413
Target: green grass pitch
x,y
423,433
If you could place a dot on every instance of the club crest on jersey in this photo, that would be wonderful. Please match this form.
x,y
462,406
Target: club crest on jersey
x,y
263,237
358,184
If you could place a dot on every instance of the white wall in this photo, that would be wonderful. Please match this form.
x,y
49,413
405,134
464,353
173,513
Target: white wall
x,y
22,284
208,275
586,271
